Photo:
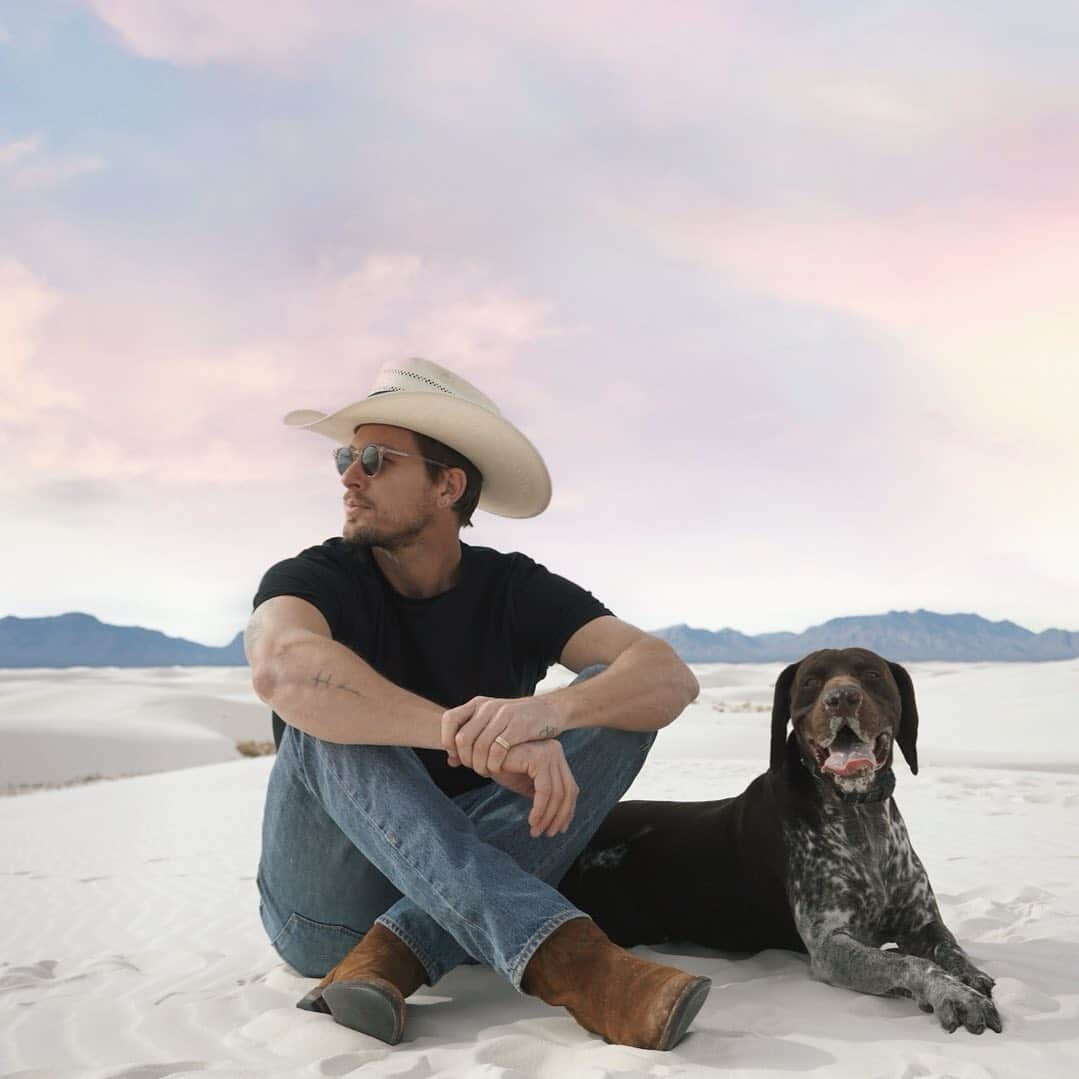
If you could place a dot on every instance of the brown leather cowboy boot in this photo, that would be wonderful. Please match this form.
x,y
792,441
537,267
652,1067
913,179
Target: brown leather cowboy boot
x,y
610,992
366,990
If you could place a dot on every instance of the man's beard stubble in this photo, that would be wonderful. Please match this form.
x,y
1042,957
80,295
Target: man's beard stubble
x,y
385,538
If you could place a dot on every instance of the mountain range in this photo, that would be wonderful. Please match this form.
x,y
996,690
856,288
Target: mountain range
x,y
80,640
899,635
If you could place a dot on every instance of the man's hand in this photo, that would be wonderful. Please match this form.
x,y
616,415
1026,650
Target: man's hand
x,y
538,770
481,732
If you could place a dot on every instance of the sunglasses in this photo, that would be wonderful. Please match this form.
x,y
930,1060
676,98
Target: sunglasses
x,y
371,458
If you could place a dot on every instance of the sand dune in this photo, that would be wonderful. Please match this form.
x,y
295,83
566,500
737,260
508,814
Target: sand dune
x,y
62,725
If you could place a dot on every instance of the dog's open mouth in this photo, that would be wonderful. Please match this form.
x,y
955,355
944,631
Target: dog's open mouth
x,y
848,756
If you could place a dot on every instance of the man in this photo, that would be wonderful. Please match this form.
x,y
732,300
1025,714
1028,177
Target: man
x,y
423,805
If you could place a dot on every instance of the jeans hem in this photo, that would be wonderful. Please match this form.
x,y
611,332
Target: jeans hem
x,y
517,971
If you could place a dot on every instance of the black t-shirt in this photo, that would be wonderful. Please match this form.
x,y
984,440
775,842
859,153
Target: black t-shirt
x,y
493,634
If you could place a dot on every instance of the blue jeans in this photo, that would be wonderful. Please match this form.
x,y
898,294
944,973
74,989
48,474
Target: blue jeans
x,y
354,834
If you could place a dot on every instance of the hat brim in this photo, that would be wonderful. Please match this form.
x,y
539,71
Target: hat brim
x,y
515,479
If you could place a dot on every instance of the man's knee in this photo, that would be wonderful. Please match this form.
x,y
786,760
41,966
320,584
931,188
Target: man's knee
x,y
630,743
313,948
633,744
615,745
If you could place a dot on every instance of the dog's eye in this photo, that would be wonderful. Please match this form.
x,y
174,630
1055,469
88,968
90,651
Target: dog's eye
x,y
811,682
873,676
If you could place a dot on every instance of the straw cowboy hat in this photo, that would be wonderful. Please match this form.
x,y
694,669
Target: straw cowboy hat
x,y
422,396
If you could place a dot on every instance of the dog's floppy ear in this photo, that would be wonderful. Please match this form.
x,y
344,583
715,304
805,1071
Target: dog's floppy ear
x,y
781,712
907,736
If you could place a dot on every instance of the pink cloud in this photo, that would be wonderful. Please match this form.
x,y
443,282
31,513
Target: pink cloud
x,y
397,302
903,269
986,295
25,305
26,166
13,152
197,32
666,55
155,386
982,304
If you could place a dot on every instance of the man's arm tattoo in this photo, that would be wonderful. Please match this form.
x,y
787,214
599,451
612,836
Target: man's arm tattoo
x,y
548,732
326,680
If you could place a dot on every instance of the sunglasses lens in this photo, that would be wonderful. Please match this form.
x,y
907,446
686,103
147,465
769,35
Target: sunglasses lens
x,y
371,460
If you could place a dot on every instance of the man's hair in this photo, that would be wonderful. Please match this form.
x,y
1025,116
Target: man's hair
x,y
465,506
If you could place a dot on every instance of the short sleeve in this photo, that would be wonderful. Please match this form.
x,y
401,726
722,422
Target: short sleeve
x,y
549,609
319,582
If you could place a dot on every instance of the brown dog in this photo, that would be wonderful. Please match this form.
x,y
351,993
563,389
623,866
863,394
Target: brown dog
x,y
812,856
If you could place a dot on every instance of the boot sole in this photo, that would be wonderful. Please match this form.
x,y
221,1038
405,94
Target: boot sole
x,y
362,1006
684,1012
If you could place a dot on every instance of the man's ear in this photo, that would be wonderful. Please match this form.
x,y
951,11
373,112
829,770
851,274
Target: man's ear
x,y
454,482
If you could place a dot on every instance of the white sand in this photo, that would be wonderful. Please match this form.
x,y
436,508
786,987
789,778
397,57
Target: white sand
x,y
130,943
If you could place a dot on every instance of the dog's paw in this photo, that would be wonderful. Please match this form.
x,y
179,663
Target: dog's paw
x,y
958,1004
978,980
953,960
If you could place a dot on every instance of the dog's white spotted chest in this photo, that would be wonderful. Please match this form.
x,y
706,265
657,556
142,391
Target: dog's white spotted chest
x,y
855,871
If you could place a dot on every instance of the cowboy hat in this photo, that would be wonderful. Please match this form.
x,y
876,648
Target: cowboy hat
x,y
422,396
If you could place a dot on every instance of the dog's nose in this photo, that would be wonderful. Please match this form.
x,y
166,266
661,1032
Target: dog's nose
x,y
843,697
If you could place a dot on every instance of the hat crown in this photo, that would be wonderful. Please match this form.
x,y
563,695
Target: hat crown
x,y
417,375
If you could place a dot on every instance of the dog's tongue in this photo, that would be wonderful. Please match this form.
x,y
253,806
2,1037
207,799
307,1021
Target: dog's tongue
x,y
852,757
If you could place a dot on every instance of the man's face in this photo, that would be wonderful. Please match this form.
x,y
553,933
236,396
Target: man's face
x,y
391,509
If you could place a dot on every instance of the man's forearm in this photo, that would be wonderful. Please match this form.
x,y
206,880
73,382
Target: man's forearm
x,y
645,688
325,689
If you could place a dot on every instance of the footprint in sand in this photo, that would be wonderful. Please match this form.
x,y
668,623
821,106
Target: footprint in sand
x,y
28,977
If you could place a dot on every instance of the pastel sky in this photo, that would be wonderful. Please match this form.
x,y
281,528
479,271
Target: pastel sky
x,y
787,294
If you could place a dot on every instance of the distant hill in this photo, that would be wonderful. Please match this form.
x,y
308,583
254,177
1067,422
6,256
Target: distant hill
x,y
899,635
80,640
